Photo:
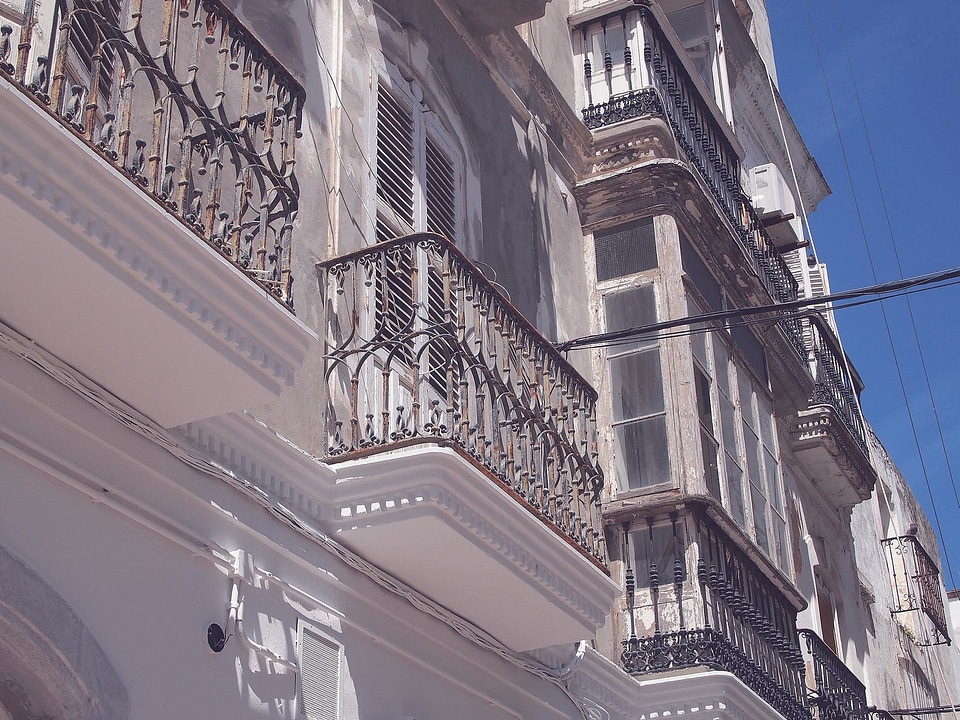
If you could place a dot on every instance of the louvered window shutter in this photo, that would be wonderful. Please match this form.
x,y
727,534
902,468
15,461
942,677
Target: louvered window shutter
x,y
441,192
395,155
320,677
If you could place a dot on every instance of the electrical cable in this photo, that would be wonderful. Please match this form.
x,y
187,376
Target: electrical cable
x,y
896,255
873,270
765,320
782,310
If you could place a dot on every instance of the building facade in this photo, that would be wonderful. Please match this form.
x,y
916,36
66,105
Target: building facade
x,y
323,394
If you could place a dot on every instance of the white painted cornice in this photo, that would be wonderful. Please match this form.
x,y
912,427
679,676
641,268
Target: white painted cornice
x,y
62,188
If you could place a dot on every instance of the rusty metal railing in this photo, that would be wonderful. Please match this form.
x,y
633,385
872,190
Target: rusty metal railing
x,y
917,598
426,349
184,101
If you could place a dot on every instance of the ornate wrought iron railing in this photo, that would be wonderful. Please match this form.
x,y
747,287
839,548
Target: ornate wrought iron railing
x,y
626,106
748,628
835,692
184,101
426,349
833,383
915,580
666,89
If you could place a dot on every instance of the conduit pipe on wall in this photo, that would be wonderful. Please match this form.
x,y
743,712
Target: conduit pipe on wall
x,y
235,614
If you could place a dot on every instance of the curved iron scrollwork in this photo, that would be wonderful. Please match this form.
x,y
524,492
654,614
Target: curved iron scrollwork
x,y
709,648
638,103
915,581
427,349
181,98
747,626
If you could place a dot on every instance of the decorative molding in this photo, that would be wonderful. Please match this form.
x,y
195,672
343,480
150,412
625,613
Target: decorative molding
x,y
102,401
820,426
431,479
243,444
92,206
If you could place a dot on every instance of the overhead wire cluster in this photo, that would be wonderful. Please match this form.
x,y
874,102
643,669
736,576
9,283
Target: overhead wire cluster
x,y
767,313
873,269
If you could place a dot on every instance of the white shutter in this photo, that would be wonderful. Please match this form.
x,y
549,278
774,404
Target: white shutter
x,y
441,192
794,261
395,155
820,286
319,677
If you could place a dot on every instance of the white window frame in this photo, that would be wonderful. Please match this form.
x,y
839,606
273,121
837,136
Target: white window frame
x,y
756,415
426,123
324,635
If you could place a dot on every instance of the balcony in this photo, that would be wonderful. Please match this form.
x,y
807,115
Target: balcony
x,y
148,199
829,437
470,443
835,693
917,598
730,618
665,87
490,17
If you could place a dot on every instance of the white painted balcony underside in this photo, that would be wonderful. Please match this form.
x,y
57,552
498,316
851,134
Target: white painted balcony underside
x,y
99,274
433,519
701,694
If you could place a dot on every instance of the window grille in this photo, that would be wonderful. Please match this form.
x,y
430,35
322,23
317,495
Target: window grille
x,y
319,677
625,250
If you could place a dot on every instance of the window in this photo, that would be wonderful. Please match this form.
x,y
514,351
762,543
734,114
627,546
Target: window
x,y
738,442
636,378
418,179
659,549
738,439
418,174
636,385
693,23
625,250
319,676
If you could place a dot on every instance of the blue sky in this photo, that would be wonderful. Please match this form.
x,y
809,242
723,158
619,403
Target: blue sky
x,y
905,58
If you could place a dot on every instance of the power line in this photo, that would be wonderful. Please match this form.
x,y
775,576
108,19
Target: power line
x,y
896,255
782,310
873,270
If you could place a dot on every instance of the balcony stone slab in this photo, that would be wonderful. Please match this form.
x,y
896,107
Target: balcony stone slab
x,y
702,694
831,456
489,17
100,274
435,520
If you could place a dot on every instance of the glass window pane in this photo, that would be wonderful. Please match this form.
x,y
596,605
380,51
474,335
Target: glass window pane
x,y
704,409
625,249
636,385
634,307
751,448
702,278
735,493
765,411
698,343
711,473
773,481
751,348
728,425
660,548
759,505
780,541
721,370
642,458
746,398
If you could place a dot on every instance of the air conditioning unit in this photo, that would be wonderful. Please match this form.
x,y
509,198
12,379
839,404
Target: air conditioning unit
x,y
776,207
